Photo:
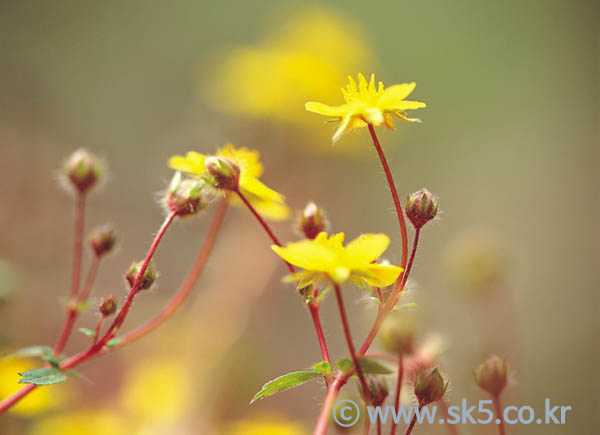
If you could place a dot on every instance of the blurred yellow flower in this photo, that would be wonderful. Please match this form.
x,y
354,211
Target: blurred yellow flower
x,y
156,391
39,400
369,103
327,256
305,55
268,202
266,426
88,422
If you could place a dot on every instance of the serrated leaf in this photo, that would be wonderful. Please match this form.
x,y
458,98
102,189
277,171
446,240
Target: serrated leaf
x,y
89,332
42,376
368,366
113,342
323,368
285,382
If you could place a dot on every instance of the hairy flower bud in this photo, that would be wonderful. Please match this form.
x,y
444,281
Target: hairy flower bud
x,y
108,306
148,278
224,173
185,196
83,170
492,375
397,335
102,240
312,221
429,386
421,207
378,390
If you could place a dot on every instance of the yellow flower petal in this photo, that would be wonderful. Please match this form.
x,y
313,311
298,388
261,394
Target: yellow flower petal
x,y
343,128
248,160
307,255
367,247
192,163
324,109
396,93
380,275
258,188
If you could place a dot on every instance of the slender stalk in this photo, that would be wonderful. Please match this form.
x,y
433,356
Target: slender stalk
x,y
89,280
411,426
75,272
378,427
392,300
98,327
12,400
348,335
312,306
499,416
398,392
187,285
367,426
394,192
332,392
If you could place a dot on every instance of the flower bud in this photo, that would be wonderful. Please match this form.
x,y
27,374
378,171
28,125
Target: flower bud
x,y
397,335
224,172
83,170
102,240
378,390
185,196
108,306
421,207
148,278
312,221
492,375
429,386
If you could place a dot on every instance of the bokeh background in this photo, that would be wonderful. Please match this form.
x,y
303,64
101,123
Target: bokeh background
x,y
509,143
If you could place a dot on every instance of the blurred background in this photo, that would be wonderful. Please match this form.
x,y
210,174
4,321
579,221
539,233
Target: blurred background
x,y
508,142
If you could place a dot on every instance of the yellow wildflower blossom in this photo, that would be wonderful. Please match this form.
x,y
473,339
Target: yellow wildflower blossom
x,y
328,257
266,426
369,104
267,201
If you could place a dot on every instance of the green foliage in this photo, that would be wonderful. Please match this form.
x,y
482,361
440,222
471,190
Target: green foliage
x,y
89,332
410,305
368,366
43,376
44,352
323,368
114,342
286,382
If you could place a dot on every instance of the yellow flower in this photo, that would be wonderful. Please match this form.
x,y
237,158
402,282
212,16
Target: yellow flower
x,y
40,400
265,426
328,257
369,104
85,422
267,202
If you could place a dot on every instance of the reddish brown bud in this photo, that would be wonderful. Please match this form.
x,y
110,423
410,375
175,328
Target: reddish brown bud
x,y
312,221
148,278
378,390
492,375
421,207
224,173
83,170
185,196
102,240
429,386
108,306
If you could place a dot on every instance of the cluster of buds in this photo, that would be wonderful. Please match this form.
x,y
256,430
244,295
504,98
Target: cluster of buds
x,y
185,196
108,306
147,279
397,335
223,173
312,221
429,386
421,207
102,240
83,170
492,375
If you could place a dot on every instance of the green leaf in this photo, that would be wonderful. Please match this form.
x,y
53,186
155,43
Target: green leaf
x,y
89,332
114,342
42,376
375,299
323,293
285,382
323,368
31,351
83,305
368,366
407,306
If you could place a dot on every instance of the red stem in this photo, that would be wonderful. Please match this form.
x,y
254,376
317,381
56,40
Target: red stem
x,y
187,285
348,335
75,273
411,426
12,400
498,406
98,327
89,280
313,306
398,392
